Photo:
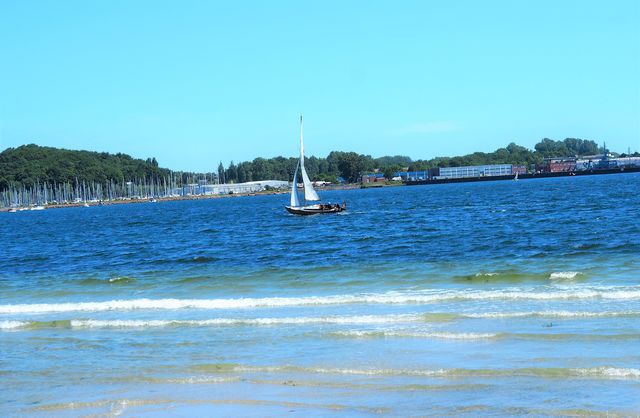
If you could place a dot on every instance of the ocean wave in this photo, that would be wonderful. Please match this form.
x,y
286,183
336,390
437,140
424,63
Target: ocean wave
x,y
602,372
552,314
564,275
417,334
192,380
121,279
112,280
197,259
608,293
342,320
511,276
133,323
498,277
471,336
13,324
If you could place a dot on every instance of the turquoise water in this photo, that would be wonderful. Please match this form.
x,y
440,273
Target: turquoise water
x,y
499,298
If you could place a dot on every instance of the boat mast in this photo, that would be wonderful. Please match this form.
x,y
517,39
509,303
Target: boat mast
x,y
304,190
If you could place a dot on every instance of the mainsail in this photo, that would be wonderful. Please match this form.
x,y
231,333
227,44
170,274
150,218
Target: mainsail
x,y
309,192
295,201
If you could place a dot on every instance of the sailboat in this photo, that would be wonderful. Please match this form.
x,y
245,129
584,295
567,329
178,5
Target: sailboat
x,y
310,195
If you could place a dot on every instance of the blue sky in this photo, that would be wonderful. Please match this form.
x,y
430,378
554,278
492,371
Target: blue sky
x,y
194,83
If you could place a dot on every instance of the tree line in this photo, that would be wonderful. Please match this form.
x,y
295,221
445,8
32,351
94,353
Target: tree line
x,y
350,165
28,165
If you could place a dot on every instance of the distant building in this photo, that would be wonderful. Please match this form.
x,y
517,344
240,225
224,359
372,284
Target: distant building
x,y
600,162
627,161
235,188
413,175
373,178
559,165
518,169
476,171
464,172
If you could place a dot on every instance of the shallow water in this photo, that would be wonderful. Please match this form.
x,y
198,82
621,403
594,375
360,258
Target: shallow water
x,y
499,298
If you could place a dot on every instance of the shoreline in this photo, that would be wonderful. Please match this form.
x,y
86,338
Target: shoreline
x,y
523,176
164,199
362,186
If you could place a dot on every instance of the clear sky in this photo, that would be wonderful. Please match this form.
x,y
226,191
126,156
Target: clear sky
x,y
194,83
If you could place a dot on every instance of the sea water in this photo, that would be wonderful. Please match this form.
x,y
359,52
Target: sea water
x,y
496,298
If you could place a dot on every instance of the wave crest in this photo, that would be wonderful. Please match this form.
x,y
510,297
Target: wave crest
x,y
602,372
416,298
564,275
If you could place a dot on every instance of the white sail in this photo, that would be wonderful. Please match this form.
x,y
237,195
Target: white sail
x,y
295,201
309,192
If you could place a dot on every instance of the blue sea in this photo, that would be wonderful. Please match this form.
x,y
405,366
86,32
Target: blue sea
x,y
509,298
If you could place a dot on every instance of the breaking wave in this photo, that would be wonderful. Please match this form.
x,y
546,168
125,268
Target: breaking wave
x,y
608,293
552,314
603,372
132,323
482,336
13,324
564,275
417,334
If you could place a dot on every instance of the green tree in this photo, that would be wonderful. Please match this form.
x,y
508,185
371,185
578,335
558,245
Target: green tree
x,y
30,164
232,173
351,165
389,172
221,173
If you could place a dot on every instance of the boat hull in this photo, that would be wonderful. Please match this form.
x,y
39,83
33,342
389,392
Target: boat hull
x,y
314,209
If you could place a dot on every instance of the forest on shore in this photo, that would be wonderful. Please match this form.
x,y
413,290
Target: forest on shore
x,y
29,165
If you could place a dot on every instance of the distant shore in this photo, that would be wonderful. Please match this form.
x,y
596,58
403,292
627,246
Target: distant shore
x,y
169,198
526,176
329,187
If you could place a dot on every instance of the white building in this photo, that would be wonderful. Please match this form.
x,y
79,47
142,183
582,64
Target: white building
x,y
232,188
475,171
249,187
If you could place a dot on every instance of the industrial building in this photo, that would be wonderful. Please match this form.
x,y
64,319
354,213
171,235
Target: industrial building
x,y
475,171
463,172
586,163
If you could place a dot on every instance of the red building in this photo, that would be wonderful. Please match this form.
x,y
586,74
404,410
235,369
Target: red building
x,y
560,165
518,169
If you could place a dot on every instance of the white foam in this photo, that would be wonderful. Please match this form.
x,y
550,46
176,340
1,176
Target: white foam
x,y
322,370
424,297
119,279
564,275
7,325
364,319
411,334
198,380
552,314
594,372
336,319
611,372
